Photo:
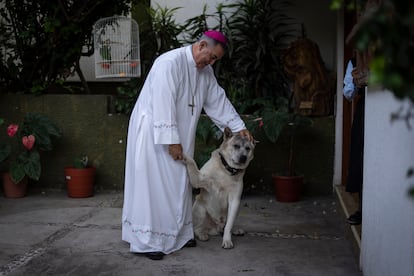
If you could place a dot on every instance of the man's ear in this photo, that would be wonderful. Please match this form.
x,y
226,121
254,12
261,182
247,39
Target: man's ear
x,y
203,44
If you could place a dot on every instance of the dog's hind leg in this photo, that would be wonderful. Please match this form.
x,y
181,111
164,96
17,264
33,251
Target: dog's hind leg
x,y
200,221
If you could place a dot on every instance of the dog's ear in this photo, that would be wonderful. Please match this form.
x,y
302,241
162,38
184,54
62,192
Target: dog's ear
x,y
227,133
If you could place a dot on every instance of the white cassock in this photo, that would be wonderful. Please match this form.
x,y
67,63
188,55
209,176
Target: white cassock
x,y
156,215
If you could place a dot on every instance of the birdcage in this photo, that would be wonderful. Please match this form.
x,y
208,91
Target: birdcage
x,y
116,43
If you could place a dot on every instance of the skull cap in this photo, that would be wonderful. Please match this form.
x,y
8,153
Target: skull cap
x,y
217,36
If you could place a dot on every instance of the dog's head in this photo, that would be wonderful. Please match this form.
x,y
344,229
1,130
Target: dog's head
x,y
237,150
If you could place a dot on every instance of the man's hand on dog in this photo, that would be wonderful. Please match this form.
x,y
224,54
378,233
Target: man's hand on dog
x,y
176,151
247,134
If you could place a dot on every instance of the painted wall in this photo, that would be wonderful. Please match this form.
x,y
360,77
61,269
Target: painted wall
x,y
388,213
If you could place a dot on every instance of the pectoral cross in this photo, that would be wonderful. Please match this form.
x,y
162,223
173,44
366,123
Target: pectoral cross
x,y
192,105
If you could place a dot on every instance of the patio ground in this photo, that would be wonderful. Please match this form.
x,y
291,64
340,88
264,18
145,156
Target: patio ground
x,y
49,233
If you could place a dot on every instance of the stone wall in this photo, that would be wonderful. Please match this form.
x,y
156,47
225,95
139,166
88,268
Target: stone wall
x,y
87,130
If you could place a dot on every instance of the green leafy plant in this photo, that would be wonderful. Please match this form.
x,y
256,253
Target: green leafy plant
x,y
273,118
43,41
208,138
24,143
127,95
80,162
165,28
260,31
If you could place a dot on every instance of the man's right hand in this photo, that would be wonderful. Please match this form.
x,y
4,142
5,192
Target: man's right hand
x,y
176,151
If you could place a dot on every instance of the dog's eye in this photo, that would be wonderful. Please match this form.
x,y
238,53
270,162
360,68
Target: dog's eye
x,y
236,146
247,148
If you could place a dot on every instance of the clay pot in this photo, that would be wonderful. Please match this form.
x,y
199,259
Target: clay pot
x,y
14,190
80,182
287,188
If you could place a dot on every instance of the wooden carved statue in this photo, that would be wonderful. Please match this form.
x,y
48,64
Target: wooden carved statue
x,y
313,86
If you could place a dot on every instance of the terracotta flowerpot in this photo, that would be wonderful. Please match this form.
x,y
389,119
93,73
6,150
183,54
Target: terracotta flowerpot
x,y
287,188
80,182
14,190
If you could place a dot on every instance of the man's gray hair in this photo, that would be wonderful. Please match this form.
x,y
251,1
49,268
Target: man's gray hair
x,y
211,41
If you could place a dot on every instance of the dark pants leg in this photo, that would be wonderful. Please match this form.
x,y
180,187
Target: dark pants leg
x,y
356,157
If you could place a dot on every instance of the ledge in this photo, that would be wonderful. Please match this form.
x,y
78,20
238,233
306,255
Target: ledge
x,y
349,204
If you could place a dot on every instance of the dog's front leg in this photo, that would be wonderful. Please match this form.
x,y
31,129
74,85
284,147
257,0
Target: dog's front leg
x,y
193,172
234,203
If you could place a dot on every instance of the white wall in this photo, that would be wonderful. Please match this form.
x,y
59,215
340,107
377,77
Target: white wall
x,y
190,8
388,214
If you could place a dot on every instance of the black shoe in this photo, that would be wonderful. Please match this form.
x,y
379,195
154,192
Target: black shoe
x,y
355,219
191,243
155,255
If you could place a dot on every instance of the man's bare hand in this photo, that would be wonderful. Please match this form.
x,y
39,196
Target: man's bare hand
x,y
246,133
176,151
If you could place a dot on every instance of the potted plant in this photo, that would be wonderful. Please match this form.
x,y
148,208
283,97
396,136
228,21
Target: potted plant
x,y
80,178
21,150
273,118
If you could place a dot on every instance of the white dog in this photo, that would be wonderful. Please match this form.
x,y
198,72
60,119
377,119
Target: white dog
x,y
221,184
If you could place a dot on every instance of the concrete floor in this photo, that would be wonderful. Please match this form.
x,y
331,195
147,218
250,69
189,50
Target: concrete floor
x,y
50,234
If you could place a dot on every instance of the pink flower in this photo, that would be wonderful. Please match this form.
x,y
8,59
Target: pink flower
x,y
28,141
261,124
12,129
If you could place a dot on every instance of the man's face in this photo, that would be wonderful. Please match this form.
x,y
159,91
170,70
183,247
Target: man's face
x,y
206,54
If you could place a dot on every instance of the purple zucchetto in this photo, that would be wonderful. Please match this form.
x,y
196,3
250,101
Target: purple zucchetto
x,y
217,36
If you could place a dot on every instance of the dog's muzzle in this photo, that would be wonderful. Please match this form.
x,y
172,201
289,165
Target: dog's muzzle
x,y
242,159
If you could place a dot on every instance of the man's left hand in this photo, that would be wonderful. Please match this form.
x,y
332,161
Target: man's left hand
x,y
246,133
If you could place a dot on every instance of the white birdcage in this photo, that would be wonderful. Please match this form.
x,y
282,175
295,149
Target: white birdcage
x,y
116,43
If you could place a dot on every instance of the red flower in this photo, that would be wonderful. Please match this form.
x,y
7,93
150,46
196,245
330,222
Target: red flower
x,y
28,141
260,124
12,129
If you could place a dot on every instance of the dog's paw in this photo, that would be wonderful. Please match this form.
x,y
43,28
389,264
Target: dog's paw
x,y
238,232
202,236
227,244
185,159
214,232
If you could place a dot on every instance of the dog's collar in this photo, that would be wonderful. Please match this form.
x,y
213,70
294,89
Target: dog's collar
x,y
233,171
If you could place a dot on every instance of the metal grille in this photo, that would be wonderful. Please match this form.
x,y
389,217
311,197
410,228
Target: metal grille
x,y
116,44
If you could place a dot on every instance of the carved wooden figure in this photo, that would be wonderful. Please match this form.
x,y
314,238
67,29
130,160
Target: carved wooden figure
x,y
313,86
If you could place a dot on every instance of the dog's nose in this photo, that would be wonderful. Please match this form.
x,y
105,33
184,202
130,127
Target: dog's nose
x,y
243,159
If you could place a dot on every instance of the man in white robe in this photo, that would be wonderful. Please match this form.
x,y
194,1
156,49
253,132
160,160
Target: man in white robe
x,y
156,216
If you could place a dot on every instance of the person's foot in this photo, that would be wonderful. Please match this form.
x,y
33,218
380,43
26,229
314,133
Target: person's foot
x,y
355,219
155,255
191,243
